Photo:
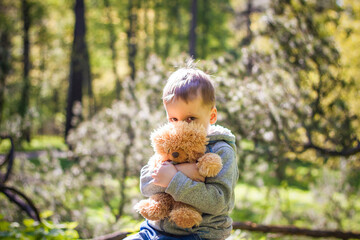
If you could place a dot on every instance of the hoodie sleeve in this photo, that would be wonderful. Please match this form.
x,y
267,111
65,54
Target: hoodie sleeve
x,y
147,186
216,195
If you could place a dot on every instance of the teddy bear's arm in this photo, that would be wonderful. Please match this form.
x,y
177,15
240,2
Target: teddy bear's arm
x,y
209,165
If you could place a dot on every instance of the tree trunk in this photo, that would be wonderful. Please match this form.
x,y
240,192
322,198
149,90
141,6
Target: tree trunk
x,y
131,37
170,27
192,35
25,92
249,35
5,54
205,28
156,34
146,30
182,35
114,57
131,135
79,66
133,5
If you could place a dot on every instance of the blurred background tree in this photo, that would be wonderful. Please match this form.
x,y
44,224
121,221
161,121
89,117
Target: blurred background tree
x,y
287,83
80,72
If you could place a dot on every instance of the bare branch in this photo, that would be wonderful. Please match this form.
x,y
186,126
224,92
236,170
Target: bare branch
x,y
291,230
330,152
9,159
345,152
22,201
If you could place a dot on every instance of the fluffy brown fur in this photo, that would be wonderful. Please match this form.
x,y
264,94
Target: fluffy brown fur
x,y
178,142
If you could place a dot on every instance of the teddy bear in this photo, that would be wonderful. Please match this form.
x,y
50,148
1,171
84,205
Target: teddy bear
x,y
178,142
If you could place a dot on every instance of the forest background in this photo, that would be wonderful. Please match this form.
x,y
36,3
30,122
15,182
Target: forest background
x,y
92,72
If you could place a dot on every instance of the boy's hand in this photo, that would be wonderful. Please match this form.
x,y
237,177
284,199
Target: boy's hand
x,y
162,176
191,171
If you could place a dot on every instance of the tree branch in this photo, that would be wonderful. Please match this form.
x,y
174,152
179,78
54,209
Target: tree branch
x,y
106,200
9,159
330,152
27,205
291,230
13,194
345,152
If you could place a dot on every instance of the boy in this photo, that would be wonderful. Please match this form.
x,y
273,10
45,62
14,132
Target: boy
x,y
190,96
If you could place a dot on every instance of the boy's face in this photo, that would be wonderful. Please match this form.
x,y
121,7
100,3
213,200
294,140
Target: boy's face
x,y
191,111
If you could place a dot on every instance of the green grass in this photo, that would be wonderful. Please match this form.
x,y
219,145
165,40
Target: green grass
x,y
44,142
37,143
256,203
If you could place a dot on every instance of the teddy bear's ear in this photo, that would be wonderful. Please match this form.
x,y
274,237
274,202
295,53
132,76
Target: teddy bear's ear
x,y
196,132
159,138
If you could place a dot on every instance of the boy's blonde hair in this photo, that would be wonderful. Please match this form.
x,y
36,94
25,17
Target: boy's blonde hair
x,y
186,83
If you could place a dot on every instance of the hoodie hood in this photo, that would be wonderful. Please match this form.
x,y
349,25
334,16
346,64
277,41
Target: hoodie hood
x,y
218,133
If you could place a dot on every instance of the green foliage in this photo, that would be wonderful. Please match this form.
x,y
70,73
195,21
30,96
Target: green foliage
x,y
30,229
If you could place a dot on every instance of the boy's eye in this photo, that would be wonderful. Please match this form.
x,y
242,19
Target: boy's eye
x,y
173,119
190,119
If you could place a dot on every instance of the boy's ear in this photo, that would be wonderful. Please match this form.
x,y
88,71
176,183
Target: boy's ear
x,y
213,115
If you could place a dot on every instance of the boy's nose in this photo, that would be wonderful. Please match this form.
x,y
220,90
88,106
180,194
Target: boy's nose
x,y
175,154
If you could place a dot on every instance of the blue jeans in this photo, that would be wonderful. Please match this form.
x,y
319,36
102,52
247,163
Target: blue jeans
x,y
149,233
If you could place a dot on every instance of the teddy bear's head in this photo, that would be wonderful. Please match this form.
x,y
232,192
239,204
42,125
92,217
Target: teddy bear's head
x,y
180,141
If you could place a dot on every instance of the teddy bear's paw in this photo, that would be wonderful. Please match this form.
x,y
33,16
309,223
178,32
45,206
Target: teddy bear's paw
x,y
185,217
157,207
146,209
209,165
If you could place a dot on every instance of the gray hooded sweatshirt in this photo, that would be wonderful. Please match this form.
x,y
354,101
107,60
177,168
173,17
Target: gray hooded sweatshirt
x,y
214,198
